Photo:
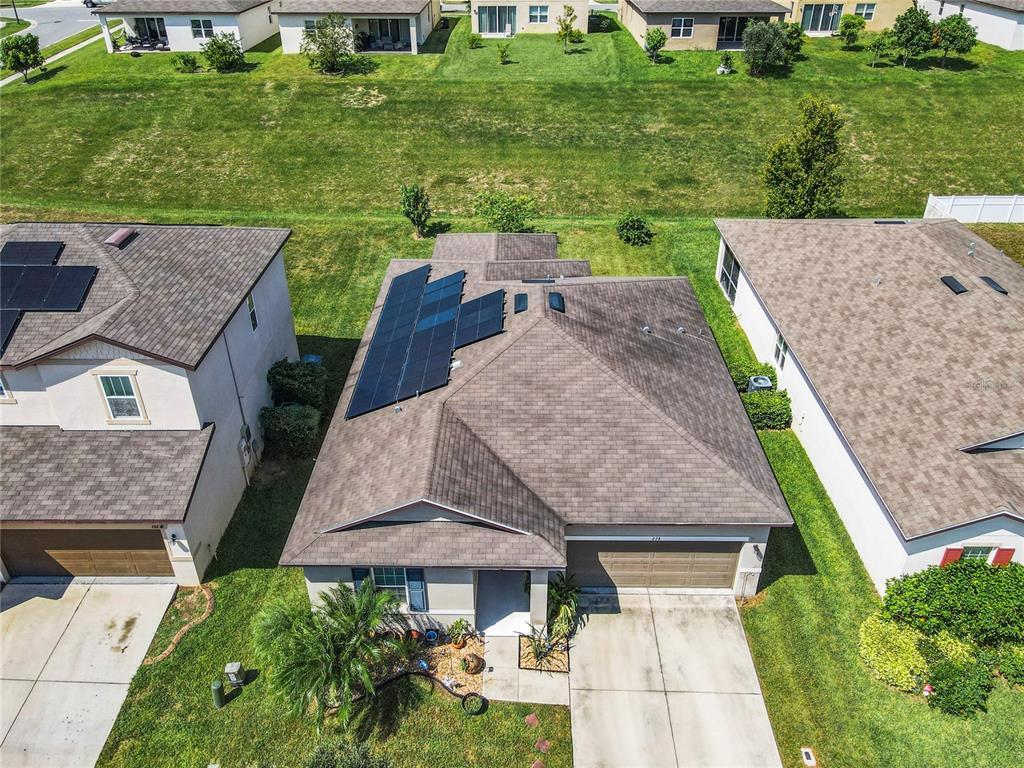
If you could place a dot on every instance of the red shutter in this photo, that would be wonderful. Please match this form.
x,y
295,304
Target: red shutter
x,y
1003,556
951,555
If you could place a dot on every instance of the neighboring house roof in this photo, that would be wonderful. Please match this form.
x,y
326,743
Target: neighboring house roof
x,y
568,418
492,246
1010,5
348,6
708,6
122,476
167,293
179,6
911,372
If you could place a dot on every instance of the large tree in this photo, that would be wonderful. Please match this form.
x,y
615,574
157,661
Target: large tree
x,y
319,659
764,46
20,53
954,34
912,33
330,45
803,172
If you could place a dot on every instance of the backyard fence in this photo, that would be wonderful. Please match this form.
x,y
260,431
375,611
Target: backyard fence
x,y
974,209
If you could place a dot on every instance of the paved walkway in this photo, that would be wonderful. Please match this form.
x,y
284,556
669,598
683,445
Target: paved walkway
x,y
664,680
67,655
505,681
56,57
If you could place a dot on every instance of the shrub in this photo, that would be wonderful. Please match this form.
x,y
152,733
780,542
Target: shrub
x,y
954,34
563,604
503,54
1011,662
795,37
654,41
944,647
223,52
960,689
475,41
742,371
768,409
970,598
850,27
291,428
912,33
186,62
329,46
416,207
764,47
634,229
297,382
342,754
891,652
20,53
726,61
504,212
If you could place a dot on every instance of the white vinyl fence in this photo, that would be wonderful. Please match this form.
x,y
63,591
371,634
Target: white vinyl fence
x,y
973,209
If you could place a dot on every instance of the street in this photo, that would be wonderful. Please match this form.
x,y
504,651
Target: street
x,y
56,20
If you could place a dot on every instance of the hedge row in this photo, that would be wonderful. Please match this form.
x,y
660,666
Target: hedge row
x,y
768,409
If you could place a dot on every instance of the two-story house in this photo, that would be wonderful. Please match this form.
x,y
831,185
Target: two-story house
x,y
133,367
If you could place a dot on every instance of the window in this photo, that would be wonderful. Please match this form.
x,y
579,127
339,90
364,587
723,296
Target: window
x,y
202,28
730,275
730,28
496,19
781,350
251,306
120,396
867,10
151,29
822,17
538,14
976,553
390,580
682,28
5,393
309,24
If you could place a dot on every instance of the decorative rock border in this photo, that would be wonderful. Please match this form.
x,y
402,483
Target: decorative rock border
x,y
181,632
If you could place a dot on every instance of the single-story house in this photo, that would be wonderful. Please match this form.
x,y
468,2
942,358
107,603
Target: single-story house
x,y
901,344
820,19
492,19
507,415
133,368
999,22
379,25
697,24
184,25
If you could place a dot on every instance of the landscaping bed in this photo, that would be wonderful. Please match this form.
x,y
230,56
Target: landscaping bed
x,y
445,663
556,661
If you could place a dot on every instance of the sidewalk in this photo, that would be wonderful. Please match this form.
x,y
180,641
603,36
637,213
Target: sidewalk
x,y
77,46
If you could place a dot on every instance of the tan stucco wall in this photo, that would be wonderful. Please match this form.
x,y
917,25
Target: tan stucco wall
x,y
886,12
555,9
705,27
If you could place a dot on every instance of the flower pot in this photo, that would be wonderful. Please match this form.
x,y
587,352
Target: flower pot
x,y
473,664
415,634
459,644
724,70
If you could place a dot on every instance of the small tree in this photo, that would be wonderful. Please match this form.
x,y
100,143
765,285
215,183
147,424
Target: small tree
x,y
764,46
634,229
654,41
223,52
803,172
567,32
20,53
503,54
504,212
416,207
850,27
794,39
186,62
912,33
880,45
330,46
955,35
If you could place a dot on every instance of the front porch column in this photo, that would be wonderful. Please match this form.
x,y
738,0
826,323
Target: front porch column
x,y
538,598
105,29
415,50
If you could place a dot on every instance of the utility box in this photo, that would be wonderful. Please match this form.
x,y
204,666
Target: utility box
x,y
758,383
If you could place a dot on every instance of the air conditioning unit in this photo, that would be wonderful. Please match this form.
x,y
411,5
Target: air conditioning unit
x,y
245,451
758,383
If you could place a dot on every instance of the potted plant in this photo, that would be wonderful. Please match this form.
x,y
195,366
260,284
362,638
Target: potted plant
x,y
472,664
459,631
725,63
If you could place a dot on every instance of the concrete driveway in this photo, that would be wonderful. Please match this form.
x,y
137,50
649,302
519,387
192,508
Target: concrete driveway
x,y
57,20
67,654
664,680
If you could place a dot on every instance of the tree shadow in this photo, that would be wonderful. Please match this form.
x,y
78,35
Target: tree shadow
x,y
578,49
435,228
953,64
380,716
44,74
786,555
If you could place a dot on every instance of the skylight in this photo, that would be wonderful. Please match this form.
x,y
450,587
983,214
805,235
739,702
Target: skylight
x,y
953,284
991,283
556,301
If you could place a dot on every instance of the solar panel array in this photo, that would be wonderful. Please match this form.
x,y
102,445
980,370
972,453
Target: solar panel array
x,y
420,325
30,281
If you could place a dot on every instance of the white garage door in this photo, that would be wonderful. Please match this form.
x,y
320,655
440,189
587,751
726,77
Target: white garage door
x,y
649,564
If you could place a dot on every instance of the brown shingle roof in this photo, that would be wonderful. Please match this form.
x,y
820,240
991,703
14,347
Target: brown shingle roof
x,y
910,372
494,246
348,6
99,475
561,419
178,6
708,6
167,293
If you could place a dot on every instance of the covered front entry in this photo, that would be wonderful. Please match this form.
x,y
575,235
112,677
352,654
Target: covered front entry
x,y
84,552
653,564
502,602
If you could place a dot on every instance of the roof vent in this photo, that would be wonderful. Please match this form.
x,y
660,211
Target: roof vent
x,y
556,301
890,221
970,249
121,237
993,285
538,279
521,302
953,284
647,329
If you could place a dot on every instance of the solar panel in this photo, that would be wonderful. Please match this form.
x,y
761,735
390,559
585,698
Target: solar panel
x,y
33,285
480,318
430,353
8,322
41,252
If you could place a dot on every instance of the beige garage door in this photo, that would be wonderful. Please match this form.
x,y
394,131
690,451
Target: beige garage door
x,y
84,552
650,564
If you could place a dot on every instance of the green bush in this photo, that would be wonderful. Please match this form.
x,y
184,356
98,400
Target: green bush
x,y
960,689
186,62
850,27
768,409
634,229
223,52
891,652
297,382
969,598
944,647
1011,662
291,428
654,41
475,40
342,754
742,371
504,212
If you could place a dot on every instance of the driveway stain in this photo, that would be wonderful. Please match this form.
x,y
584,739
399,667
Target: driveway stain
x,y
126,632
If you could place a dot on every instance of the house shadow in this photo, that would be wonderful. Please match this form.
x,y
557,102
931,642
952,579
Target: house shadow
x,y
380,716
598,24
786,555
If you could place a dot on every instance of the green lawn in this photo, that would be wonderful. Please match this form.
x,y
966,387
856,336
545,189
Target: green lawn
x,y
12,25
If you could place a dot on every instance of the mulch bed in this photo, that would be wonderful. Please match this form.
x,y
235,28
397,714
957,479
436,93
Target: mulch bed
x,y
557,661
445,663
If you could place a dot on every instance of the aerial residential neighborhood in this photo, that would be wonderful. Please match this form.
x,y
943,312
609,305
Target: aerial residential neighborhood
x,y
394,383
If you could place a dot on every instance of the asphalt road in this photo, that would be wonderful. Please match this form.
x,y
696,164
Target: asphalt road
x,y
56,20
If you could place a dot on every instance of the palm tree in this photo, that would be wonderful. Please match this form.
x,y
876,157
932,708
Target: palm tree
x,y
319,659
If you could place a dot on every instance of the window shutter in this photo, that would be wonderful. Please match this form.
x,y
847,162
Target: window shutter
x,y
417,586
951,555
358,576
1003,556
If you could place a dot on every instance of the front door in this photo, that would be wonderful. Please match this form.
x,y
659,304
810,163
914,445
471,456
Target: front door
x,y
821,17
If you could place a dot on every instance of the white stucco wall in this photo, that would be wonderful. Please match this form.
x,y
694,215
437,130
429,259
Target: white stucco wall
x,y
251,27
27,401
998,26
293,25
256,25
882,548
